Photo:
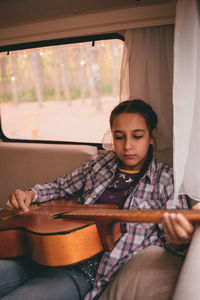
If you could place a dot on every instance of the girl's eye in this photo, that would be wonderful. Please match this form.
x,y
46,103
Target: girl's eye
x,y
118,137
137,136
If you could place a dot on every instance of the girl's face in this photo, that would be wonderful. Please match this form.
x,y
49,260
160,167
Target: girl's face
x,y
131,140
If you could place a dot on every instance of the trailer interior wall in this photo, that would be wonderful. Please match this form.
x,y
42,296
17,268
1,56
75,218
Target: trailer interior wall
x,y
22,165
28,21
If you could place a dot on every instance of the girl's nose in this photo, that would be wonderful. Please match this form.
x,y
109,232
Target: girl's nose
x,y
128,144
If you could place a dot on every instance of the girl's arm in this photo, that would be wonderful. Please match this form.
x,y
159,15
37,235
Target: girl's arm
x,y
20,199
62,187
178,229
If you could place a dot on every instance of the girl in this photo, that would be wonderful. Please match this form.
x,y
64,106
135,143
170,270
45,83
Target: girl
x,y
130,177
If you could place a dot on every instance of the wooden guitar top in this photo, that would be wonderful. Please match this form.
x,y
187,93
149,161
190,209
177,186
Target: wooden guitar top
x,y
62,232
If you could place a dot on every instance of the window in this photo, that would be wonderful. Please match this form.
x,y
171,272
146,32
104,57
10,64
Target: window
x,y
61,92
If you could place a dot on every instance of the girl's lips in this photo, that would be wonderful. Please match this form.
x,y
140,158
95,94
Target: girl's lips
x,y
129,156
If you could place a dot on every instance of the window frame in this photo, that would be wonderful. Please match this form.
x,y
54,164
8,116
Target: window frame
x,y
55,42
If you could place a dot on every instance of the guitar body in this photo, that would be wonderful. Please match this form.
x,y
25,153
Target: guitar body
x,y
48,241
62,232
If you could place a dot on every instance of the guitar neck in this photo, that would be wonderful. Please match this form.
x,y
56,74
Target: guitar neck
x,y
135,216
106,218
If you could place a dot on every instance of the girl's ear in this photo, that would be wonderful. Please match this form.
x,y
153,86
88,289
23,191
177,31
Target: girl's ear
x,y
153,136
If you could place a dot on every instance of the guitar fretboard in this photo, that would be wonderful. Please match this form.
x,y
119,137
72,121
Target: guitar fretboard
x,y
136,216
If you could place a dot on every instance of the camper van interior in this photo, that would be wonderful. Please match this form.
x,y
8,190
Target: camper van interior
x,y
64,66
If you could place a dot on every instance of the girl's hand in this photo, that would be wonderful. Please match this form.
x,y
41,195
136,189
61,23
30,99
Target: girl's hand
x,y
20,199
178,229
196,206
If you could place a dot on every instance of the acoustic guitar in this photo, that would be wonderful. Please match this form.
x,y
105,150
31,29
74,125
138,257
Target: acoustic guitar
x,y
61,232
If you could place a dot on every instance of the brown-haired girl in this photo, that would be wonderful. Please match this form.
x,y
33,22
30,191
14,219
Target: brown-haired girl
x,y
130,177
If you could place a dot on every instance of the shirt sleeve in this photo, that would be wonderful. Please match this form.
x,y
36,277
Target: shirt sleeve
x,y
62,187
169,202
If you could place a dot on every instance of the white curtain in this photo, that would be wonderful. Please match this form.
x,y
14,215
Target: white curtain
x,y
147,73
186,99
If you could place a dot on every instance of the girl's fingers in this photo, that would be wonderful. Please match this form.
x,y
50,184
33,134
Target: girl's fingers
x,y
196,206
184,224
18,200
169,227
177,228
22,205
29,196
168,235
12,201
21,198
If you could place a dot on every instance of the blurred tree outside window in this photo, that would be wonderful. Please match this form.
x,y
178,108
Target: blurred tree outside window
x,y
60,93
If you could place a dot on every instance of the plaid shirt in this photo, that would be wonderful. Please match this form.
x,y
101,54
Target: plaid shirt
x,y
154,191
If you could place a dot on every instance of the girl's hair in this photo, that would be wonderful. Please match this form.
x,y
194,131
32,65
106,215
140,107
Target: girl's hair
x,y
136,106
144,109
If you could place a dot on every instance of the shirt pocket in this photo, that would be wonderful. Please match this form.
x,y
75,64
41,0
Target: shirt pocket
x,y
149,204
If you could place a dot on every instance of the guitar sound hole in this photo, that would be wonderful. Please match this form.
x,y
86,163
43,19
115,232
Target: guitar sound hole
x,y
58,216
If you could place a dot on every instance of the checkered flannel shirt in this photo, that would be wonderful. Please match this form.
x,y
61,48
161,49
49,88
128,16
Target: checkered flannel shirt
x,y
155,190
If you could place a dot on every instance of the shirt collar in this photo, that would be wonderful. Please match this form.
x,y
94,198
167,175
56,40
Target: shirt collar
x,y
113,161
150,173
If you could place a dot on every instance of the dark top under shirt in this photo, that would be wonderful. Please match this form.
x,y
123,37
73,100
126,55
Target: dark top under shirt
x,y
117,191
